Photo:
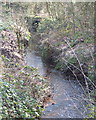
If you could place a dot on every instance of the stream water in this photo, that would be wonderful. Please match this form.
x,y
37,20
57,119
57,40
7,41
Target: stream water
x,y
68,94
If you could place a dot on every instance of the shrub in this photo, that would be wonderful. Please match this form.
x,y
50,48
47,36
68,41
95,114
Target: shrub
x,y
22,91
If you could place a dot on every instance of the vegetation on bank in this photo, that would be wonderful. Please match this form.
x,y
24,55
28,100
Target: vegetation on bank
x,y
22,89
64,34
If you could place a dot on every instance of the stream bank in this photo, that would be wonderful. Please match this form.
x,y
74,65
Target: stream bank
x,y
70,72
74,63
21,102
73,57
69,96
22,88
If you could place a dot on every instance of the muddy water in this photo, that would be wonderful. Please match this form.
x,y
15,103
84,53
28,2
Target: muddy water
x,y
68,94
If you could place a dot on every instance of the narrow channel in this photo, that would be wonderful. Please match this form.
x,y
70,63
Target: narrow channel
x,y
68,95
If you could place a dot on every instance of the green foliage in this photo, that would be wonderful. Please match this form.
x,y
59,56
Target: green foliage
x,y
19,105
5,59
58,66
92,110
22,92
44,52
27,35
91,74
46,25
72,60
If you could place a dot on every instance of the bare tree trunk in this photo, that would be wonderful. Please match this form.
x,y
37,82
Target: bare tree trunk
x,y
18,40
95,42
73,18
